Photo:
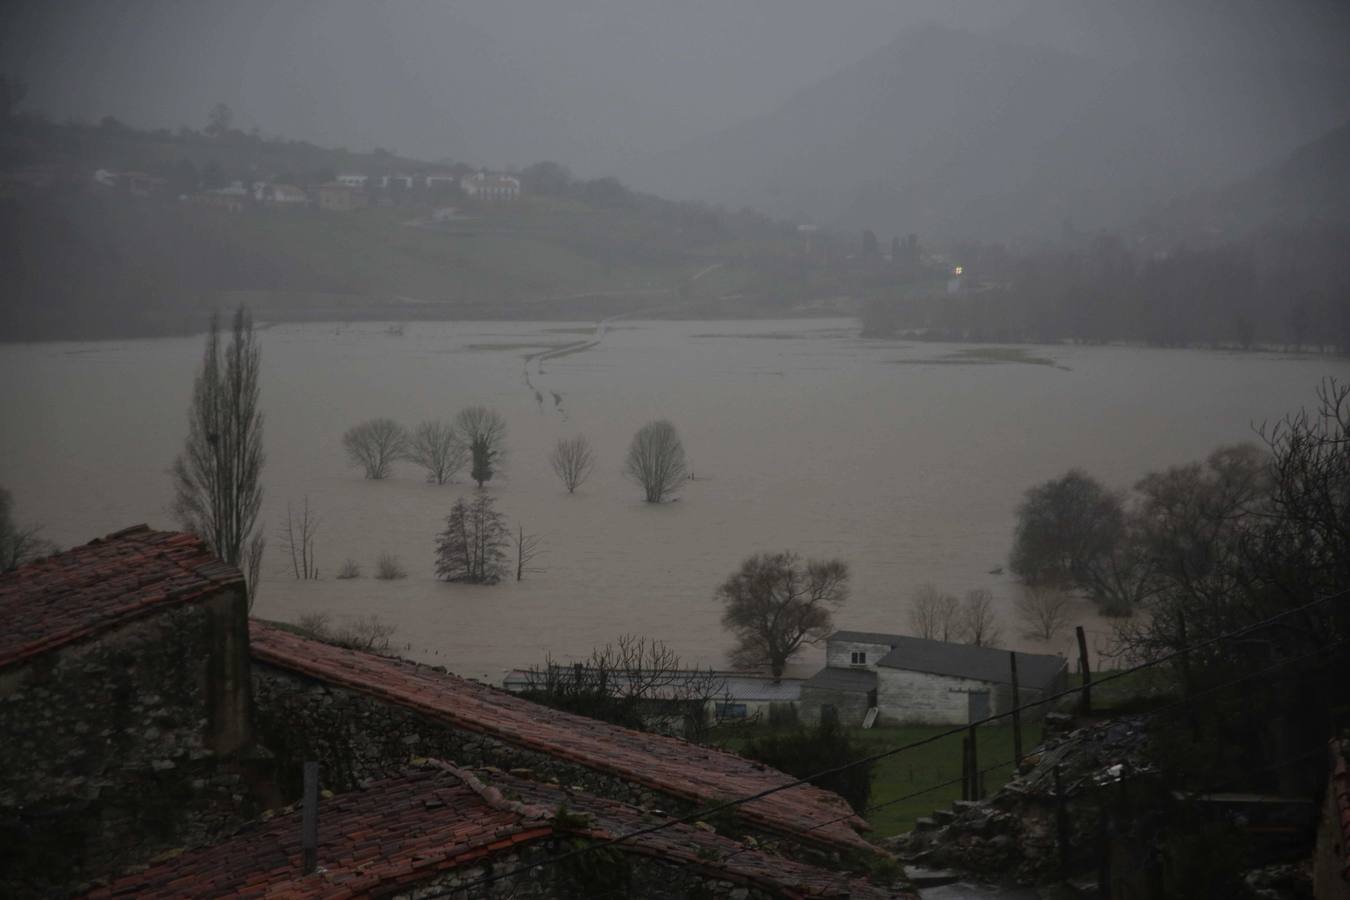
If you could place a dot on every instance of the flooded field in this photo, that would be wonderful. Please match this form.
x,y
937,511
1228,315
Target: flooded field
x,y
906,460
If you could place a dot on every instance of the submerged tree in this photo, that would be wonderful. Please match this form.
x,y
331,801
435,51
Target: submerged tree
x,y
217,477
1073,533
18,545
933,615
436,447
483,431
375,446
527,548
572,460
1042,610
776,603
298,541
656,460
472,548
979,624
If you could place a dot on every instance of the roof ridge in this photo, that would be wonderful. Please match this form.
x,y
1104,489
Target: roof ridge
x,y
612,750
493,796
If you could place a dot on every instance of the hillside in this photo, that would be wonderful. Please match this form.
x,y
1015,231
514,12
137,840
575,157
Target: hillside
x,y
954,134
1310,186
90,260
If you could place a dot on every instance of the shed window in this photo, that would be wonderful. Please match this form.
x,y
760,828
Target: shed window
x,y
731,711
859,657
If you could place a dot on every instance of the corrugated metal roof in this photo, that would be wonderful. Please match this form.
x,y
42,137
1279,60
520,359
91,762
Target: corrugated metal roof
x,y
1034,670
837,678
865,637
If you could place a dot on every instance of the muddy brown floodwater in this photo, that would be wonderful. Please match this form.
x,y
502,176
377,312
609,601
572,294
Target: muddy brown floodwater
x,y
906,460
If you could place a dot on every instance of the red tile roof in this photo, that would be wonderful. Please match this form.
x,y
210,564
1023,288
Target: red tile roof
x,y
410,829
667,765
81,592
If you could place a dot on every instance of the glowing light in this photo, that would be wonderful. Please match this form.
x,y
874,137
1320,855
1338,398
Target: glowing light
x,y
957,270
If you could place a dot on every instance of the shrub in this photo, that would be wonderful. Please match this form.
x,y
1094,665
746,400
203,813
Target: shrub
x,y
804,752
388,568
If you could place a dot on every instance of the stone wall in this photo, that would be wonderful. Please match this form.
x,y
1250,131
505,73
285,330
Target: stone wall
x,y
119,747
905,697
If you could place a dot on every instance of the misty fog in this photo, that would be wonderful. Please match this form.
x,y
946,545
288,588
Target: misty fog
x,y
847,356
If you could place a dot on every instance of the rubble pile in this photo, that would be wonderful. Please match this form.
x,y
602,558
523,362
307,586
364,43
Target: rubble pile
x,y
1013,834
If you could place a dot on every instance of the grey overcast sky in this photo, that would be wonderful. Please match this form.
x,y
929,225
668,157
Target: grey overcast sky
x,y
588,79
592,83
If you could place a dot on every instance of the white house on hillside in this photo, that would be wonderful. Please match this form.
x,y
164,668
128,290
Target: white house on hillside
x,y
487,186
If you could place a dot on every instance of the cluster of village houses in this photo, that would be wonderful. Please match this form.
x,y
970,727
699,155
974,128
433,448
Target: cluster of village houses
x,y
346,192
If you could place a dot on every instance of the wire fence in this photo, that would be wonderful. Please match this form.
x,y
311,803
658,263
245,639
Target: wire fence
x,y
1016,711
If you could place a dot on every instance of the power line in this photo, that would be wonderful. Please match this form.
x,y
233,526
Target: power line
x,y
740,801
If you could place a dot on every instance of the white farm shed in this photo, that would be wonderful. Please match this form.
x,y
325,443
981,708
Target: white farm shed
x,y
912,680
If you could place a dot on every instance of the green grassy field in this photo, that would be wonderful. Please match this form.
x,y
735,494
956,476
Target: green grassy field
x,y
905,785
899,779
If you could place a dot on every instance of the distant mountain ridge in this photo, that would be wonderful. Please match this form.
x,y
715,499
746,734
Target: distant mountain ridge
x,y
955,134
1311,185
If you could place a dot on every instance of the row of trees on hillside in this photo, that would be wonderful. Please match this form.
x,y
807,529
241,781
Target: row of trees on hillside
x,y
1286,287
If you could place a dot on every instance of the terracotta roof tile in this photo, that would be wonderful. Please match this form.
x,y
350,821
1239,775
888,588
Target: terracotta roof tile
x,y
416,840
83,591
668,765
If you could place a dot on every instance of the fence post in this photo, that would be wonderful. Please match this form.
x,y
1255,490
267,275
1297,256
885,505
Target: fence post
x,y
965,768
1061,824
1183,660
1016,712
1085,705
974,768
310,818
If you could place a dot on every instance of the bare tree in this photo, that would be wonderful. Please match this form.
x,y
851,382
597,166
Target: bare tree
x,y
472,548
218,476
298,540
1043,611
656,460
572,459
437,448
776,603
934,615
19,545
483,432
367,633
979,624
376,445
636,682
527,548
